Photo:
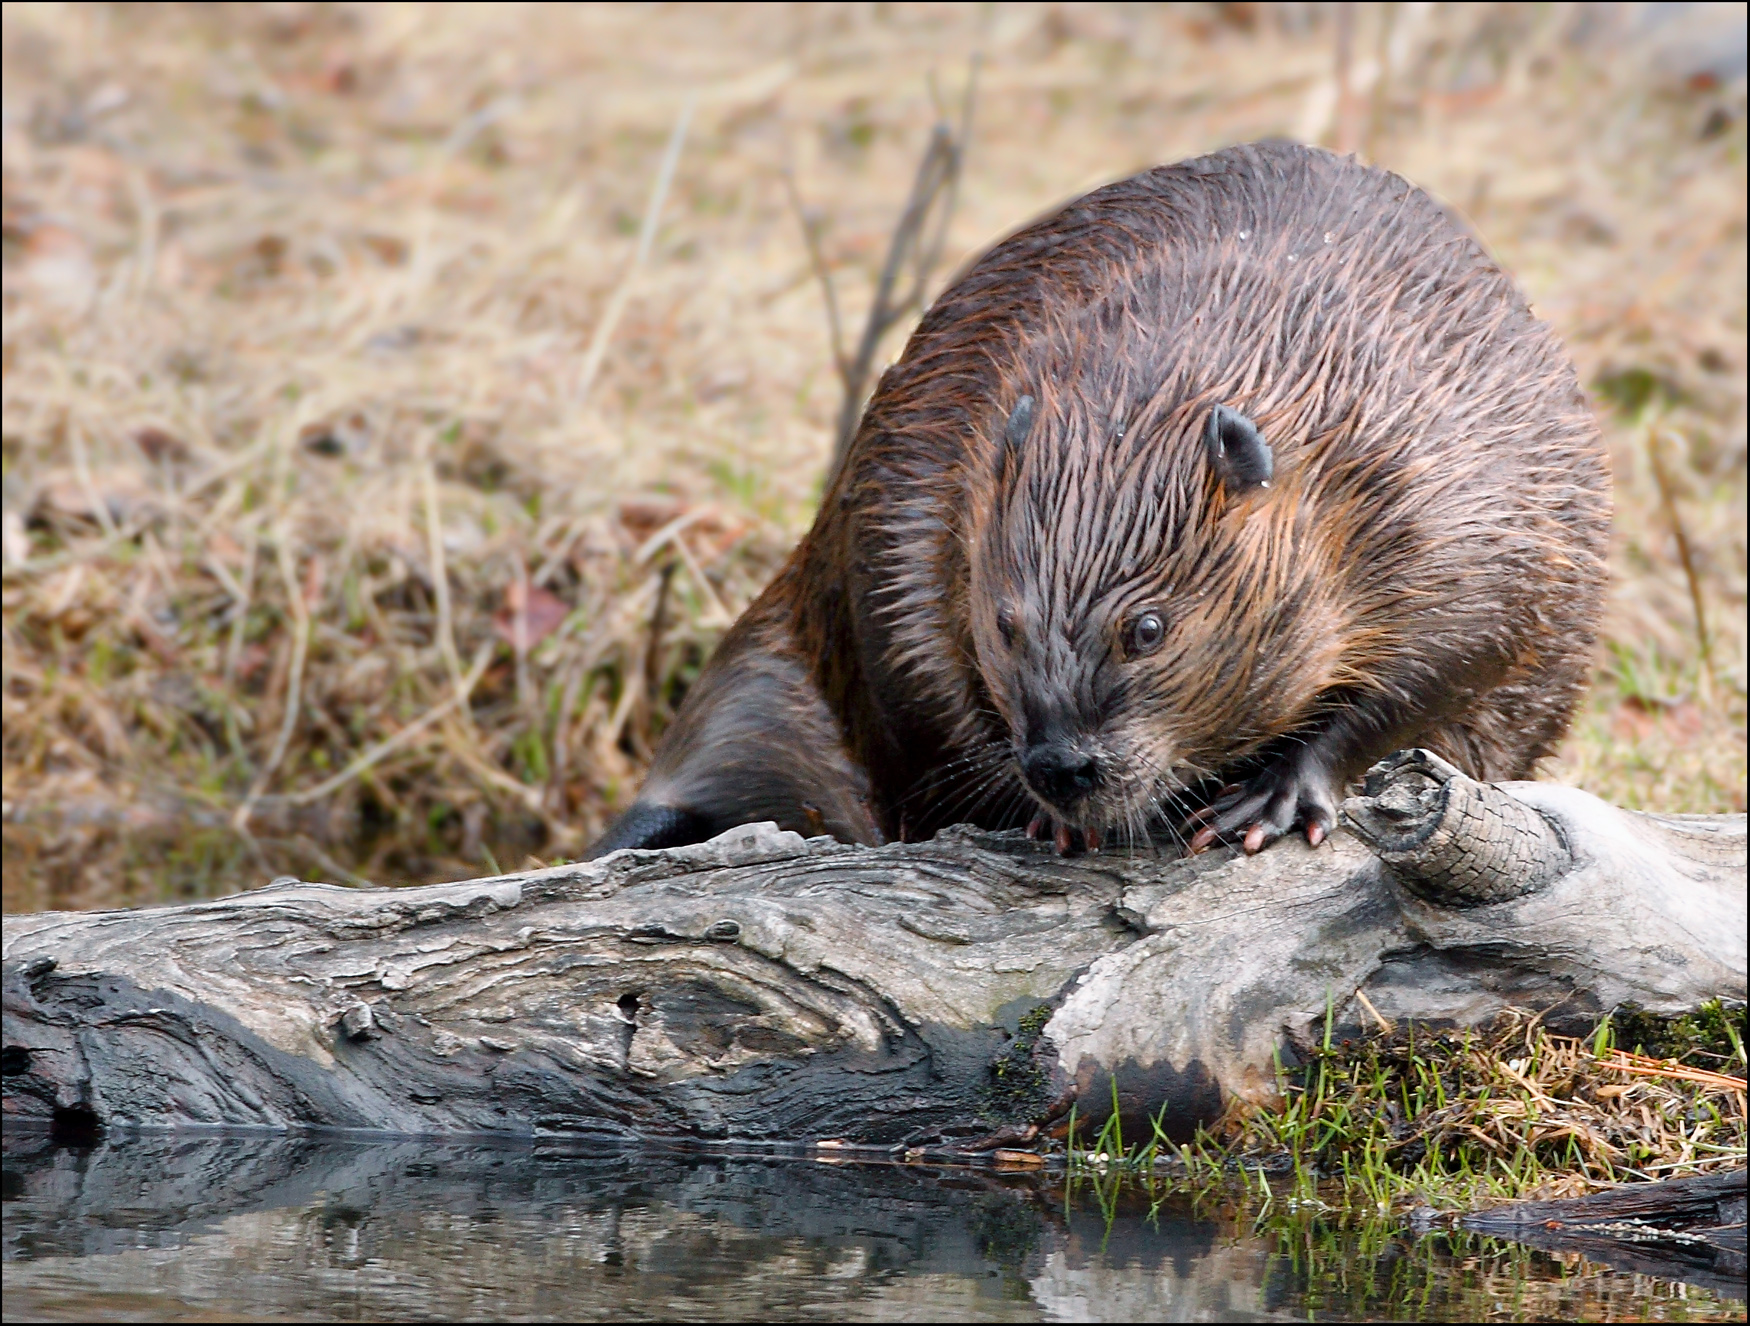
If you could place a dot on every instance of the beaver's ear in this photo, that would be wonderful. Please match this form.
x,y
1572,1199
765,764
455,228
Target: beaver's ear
x,y
1015,433
1238,450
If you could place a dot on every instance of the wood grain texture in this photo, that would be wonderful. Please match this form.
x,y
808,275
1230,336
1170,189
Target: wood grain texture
x,y
766,987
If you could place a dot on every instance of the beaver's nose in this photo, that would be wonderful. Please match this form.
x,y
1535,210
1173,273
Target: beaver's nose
x,y
1059,772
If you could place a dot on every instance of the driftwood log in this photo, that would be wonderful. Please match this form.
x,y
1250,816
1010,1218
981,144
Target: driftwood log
x,y
1689,1228
764,988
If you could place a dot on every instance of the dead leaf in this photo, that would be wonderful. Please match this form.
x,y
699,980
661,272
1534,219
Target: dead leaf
x,y
160,445
544,613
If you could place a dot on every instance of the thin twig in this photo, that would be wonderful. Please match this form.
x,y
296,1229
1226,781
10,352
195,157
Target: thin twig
x,y
1385,1024
884,312
568,705
653,649
472,126
716,613
294,681
82,472
462,748
146,242
240,619
519,631
616,305
631,683
440,578
1656,439
932,254
919,239
811,231
302,842
1382,81
671,531
1344,138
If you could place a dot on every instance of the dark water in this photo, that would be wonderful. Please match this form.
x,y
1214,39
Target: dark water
x,y
249,1227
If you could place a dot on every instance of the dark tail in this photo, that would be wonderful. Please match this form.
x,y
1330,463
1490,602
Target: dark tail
x,y
754,740
646,825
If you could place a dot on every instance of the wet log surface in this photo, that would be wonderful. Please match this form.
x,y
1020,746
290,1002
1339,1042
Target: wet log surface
x,y
963,991
1689,1228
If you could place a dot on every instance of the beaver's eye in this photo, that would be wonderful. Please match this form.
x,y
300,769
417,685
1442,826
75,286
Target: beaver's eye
x,y
1146,633
1006,625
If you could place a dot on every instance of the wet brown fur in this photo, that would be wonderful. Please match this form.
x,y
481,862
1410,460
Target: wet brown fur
x,y
1425,567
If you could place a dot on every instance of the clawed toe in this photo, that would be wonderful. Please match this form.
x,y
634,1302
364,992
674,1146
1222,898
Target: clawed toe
x,y
1253,815
1234,811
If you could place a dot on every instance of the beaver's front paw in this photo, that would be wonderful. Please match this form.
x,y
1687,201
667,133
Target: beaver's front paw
x,y
1288,794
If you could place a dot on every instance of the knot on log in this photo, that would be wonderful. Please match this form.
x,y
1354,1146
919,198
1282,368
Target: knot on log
x,y
359,1023
1451,839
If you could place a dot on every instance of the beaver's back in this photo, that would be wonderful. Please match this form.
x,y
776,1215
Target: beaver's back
x,y
1426,566
1449,489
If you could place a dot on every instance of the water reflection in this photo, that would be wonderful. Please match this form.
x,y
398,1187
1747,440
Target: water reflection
x,y
297,1228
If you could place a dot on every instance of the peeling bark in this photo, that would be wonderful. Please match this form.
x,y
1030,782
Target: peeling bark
x,y
764,987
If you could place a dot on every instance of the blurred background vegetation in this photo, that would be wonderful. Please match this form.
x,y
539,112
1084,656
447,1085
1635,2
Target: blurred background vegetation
x,y
369,501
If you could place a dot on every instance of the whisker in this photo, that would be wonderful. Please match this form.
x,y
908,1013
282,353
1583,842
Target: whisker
x,y
971,796
933,780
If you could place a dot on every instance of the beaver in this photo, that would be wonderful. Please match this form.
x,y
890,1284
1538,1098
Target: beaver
x,y
1183,505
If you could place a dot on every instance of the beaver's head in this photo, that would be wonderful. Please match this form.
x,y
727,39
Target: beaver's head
x,y
1134,598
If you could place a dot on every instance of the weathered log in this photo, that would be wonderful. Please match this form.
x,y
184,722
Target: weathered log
x,y
760,986
1689,1228
1709,1201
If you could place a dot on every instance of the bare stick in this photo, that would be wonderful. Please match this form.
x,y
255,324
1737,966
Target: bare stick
x,y
931,255
440,577
240,618
1382,81
568,704
88,487
604,328
294,681
885,311
653,650
716,614
1385,1024
916,248
520,636
1345,129
1656,440
461,746
811,230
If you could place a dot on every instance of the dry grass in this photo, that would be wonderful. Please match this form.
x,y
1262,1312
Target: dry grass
x,y
321,554
1459,1117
